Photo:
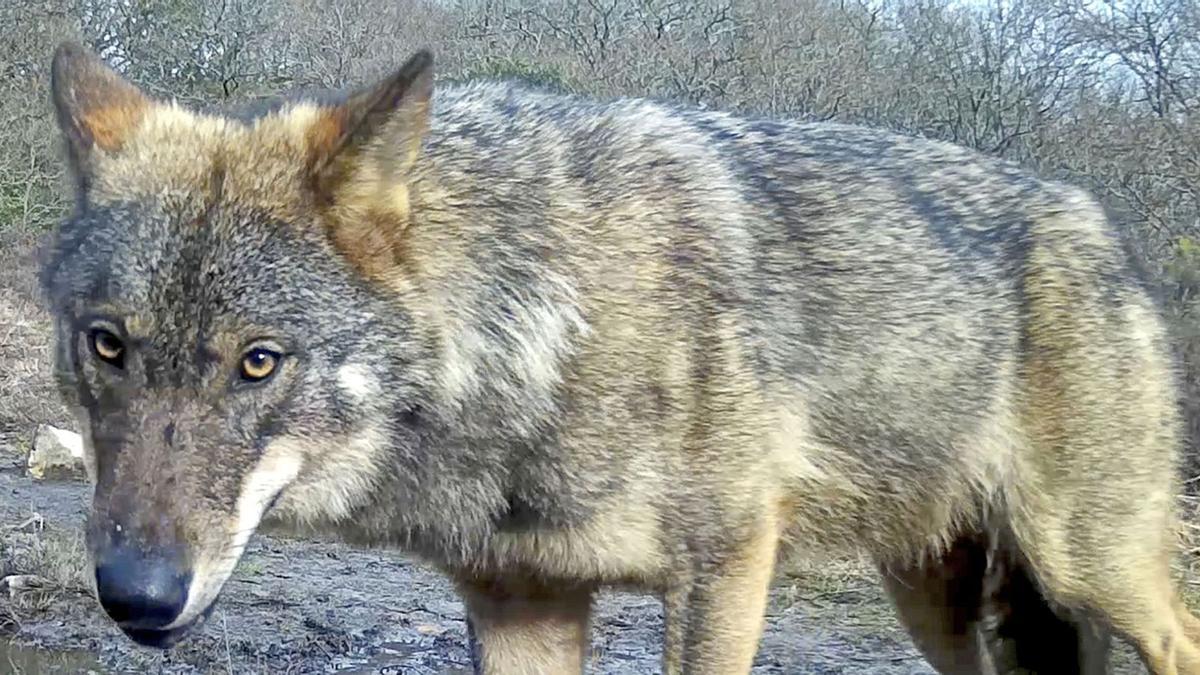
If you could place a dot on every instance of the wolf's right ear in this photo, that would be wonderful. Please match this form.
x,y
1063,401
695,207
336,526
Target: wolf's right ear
x,y
97,108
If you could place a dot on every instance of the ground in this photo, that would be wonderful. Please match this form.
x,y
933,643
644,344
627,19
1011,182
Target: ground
x,y
314,607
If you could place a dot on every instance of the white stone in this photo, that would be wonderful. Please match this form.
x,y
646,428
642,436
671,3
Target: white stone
x,y
16,584
57,454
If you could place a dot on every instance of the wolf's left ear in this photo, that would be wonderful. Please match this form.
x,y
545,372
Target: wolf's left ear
x,y
97,108
384,123
359,157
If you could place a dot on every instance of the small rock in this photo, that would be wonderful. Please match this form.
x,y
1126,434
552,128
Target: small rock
x,y
35,522
57,455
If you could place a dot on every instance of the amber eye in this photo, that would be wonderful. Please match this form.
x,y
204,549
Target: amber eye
x,y
259,363
108,347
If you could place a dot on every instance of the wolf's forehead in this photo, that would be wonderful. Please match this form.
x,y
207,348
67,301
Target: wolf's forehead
x,y
185,273
170,263
179,152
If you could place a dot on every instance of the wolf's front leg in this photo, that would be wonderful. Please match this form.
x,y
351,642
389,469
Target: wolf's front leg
x,y
520,627
715,613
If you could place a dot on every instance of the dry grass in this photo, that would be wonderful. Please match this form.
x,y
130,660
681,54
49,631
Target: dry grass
x,y
27,394
1188,565
51,560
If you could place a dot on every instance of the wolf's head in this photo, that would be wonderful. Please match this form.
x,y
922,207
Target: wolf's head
x,y
219,325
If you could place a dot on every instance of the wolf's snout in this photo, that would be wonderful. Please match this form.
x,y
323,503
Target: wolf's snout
x,y
141,590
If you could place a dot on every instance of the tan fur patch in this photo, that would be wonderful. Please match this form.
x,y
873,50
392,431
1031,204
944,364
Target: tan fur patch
x,y
736,622
734,609
338,479
325,133
619,545
530,630
111,127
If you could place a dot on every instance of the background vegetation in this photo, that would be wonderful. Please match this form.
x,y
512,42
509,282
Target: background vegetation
x,y
1103,93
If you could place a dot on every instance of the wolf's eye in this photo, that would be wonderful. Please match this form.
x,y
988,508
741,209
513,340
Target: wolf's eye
x,y
107,346
259,363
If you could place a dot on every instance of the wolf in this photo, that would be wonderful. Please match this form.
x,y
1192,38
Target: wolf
x,y
552,344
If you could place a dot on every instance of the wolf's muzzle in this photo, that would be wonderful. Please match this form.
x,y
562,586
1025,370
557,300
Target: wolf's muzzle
x,y
142,591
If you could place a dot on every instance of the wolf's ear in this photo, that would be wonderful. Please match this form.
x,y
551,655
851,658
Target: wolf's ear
x,y
359,157
97,108
384,122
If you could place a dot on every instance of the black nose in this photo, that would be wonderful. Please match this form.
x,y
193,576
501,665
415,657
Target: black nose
x,y
140,590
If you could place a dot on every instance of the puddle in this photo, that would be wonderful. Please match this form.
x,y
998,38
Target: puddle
x,y
33,661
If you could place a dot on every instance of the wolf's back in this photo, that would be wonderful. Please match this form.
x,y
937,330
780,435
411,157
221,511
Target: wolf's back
x,y
898,295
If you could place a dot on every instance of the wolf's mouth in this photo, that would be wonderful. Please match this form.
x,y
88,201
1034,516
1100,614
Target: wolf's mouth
x,y
165,638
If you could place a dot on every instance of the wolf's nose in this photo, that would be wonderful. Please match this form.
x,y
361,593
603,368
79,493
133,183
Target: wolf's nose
x,y
139,590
